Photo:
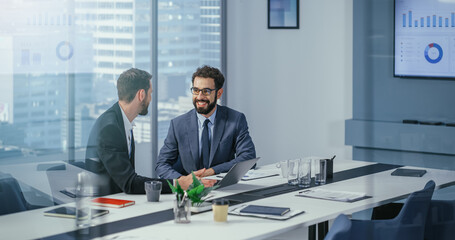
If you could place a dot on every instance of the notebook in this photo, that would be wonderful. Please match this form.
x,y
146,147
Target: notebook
x,y
111,202
238,210
409,172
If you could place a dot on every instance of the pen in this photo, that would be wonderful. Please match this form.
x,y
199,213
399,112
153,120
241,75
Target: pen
x,y
305,191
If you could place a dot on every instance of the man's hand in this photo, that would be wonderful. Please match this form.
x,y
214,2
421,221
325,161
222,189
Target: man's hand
x,y
208,182
204,172
207,172
185,181
199,172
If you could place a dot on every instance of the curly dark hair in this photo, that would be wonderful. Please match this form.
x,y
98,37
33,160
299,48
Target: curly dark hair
x,y
210,72
131,81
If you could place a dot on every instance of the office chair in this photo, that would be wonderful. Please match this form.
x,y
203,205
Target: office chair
x,y
409,224
79,164
440,224
340,229
11,198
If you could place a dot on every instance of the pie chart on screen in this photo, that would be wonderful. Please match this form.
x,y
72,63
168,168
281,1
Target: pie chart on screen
x,y
433,53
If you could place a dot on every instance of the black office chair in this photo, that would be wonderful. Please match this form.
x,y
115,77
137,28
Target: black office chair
x,y
11,197
440,223
409,224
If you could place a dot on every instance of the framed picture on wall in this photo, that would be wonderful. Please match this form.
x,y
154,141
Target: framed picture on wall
x,y
283,14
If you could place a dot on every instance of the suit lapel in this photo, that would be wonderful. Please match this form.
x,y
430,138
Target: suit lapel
x,y
218,129
193,138
121,125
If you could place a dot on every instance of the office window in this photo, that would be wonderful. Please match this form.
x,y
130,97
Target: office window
x,y
60,61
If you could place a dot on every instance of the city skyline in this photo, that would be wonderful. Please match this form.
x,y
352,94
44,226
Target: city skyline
x,y
58,85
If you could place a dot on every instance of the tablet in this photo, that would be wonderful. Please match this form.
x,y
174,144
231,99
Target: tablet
x,y
70,212
256,209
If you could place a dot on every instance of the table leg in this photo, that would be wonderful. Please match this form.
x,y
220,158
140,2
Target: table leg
x,y
323,228
312,232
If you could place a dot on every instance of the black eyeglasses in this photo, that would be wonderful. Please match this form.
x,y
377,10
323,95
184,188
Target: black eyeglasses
x,y
205,91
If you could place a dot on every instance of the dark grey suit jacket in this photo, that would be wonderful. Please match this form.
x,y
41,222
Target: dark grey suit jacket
x,y
107,155
231,143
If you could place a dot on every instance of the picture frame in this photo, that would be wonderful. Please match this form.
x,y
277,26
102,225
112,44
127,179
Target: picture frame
x,y
283,14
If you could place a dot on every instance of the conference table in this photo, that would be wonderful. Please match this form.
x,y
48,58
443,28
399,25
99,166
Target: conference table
x,y
149,220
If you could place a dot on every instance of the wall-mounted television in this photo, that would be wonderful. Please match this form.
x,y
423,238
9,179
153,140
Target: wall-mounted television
x,y
424,38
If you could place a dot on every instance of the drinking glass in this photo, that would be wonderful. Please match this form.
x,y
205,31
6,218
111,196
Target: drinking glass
x,y
305,172
293,171
321,171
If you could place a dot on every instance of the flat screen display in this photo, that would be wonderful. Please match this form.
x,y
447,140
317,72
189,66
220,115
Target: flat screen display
x,y
425,38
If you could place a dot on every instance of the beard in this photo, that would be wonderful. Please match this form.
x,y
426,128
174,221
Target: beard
x,y
145,108
205,110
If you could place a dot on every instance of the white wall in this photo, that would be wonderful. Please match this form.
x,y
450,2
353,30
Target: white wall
x,y
294,86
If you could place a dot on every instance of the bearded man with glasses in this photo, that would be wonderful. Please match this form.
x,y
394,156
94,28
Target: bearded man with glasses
x,y
210,137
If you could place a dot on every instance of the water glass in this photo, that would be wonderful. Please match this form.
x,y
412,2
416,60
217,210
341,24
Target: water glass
x,y
293,171
305,172
321,171
284,168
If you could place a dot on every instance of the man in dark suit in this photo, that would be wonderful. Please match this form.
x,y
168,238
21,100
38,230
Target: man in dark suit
x,y
210,137
110,148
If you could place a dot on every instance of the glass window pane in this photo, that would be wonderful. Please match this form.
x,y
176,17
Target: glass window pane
x,y
59,62
188,37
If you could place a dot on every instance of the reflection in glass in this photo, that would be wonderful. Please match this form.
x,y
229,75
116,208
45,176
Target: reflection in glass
x,y
59,63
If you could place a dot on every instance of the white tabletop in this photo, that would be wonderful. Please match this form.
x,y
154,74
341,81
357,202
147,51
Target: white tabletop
x,y
28,174
381,186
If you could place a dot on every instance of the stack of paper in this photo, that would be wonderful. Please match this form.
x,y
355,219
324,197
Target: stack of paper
x,y
252,174
332,195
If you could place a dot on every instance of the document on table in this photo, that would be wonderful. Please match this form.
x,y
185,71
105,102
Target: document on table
x,y
250,175
253,174
342,196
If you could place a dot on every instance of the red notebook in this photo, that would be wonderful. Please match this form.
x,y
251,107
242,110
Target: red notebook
x,y
111,202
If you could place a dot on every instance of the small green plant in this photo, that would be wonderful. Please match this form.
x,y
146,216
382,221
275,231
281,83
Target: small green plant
x,y
195,192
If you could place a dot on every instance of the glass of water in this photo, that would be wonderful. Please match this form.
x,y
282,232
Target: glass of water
x,y
293,171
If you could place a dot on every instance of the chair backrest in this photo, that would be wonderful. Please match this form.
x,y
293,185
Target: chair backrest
x,y
408,224
11,198
340,229
440,224
415,209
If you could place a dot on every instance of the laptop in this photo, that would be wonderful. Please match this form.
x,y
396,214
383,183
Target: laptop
x,y
236,173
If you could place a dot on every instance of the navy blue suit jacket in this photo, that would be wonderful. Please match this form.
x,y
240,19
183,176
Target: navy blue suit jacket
x,y
231,143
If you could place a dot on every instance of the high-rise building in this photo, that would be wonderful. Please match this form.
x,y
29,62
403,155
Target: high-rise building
x,y
68,54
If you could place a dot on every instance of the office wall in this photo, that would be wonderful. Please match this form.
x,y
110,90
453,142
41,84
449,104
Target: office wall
x,y
382,101
295,86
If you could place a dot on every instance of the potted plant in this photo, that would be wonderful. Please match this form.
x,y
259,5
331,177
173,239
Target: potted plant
x,y
193,196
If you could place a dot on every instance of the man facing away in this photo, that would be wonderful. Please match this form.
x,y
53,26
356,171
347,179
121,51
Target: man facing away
x,y
210,138
110,148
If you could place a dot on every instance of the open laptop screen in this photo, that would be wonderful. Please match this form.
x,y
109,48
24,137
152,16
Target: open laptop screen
x,y
236,173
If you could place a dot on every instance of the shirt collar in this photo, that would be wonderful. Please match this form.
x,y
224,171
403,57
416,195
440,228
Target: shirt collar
x,y
128,125
202,118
